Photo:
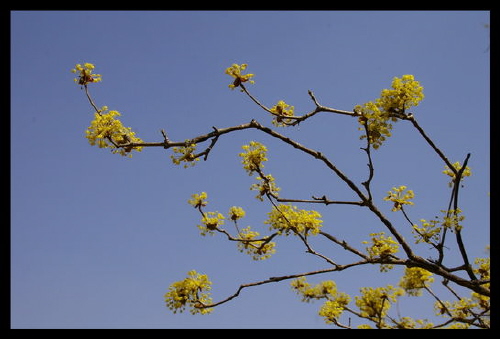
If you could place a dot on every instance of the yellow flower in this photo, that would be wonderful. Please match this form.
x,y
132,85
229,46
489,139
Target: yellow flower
x,y
429,231
190,292
405,93
106,131
198,200
324,289
254,155
374,303
375,123
466,173
452,219
235,72
236,213
258,249
283,110
381,247
85,74
399,197
376,116
414,279
265,186
287,219
335,303
210,221
185,154
332,309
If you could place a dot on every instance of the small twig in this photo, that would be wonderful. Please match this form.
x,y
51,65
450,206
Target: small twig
x,y
344,244
370,163
165,138
209,148
411,118
321,200
90,99
458,232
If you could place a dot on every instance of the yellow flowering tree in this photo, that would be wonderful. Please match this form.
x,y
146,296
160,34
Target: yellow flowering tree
x,y
467,302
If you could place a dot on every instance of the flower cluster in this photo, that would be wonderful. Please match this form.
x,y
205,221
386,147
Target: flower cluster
x,y
185,154
376,117
399,197
190,292
335,303
483,270
210,221
235,72
236,213
452,219
430,231
85,74
375,122
414,279
198,200
282,111
258,249
288,218
381,247
254,155
106,131
374,303
450,173
459,310
406,92
265,186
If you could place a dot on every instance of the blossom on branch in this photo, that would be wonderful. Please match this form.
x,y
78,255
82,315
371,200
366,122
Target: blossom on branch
x,y
235,72
414,279
400,197
376,116
253,157
282,110
289,219
106,131
258,249
85,74
191,292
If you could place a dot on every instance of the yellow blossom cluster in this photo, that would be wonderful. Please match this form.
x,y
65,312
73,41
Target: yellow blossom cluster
x,y
185,154
483,270
430,231
258,249
265,186
374,303
381,247
254,155
459,310
406,92
376,117
191,292
466,173
282,111
235,71
236,213
288,218
400,197
85,74
414,279
335,301
106,131
198,200
210,221
452,219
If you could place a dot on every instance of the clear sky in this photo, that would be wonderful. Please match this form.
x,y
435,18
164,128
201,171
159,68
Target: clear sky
x,y
96,238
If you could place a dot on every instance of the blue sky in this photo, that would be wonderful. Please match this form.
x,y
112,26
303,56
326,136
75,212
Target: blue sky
x,y
96,239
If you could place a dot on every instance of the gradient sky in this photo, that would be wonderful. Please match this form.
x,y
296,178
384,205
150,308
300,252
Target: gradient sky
x,y
96,238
